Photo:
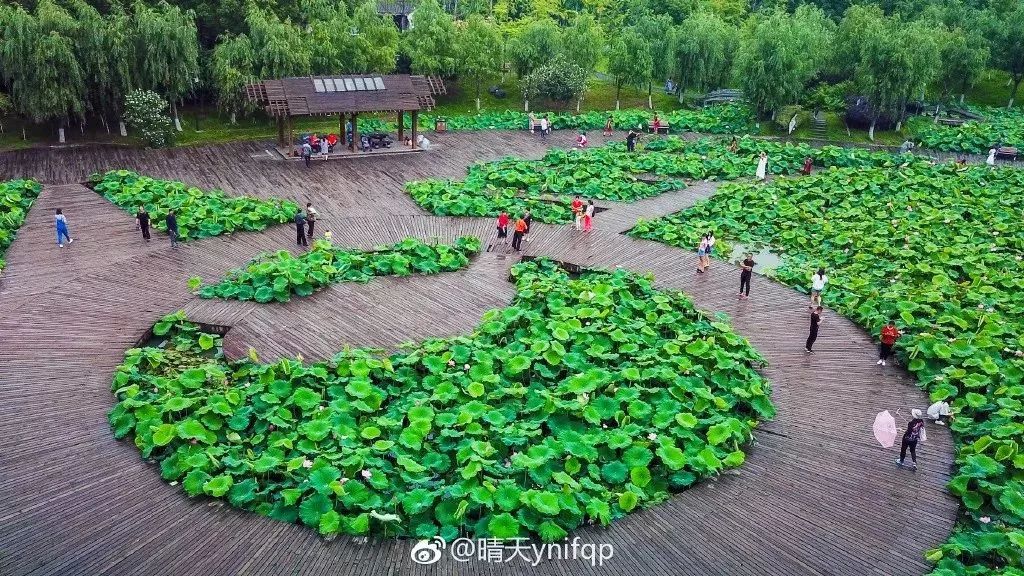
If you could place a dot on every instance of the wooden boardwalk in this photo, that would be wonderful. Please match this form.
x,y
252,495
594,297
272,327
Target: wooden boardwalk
x,y
816,496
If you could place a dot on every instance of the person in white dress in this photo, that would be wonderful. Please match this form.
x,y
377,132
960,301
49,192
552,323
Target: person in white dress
x,y
818,281
991,160
762,166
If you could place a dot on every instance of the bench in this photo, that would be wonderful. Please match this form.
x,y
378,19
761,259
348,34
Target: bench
x,y
951,121
1007,153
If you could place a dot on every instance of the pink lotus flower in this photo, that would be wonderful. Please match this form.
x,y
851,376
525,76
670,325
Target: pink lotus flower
x,y
652,436
366,474
984,519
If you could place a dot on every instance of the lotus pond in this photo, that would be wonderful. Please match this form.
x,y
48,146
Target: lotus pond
x,y
939,249
583,400
545,186
16,197
279,275
200,213
1000,126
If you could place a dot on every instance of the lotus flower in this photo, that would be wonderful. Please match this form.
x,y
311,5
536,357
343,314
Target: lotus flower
x,y
342,480
465,366
451,362
366,474
984,519
307,463
652,436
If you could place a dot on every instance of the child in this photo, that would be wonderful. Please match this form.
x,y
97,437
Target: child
x,y
581,140
818,281
62,229
503,227
577,212
702,250
608,126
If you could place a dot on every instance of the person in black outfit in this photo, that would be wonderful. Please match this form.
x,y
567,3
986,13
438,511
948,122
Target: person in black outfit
x,y
142,222
631,140
528,218
172,228
747,271
815,321
910,438
300,229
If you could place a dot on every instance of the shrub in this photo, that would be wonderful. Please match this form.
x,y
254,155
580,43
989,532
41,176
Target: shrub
x,y
145,111
16,197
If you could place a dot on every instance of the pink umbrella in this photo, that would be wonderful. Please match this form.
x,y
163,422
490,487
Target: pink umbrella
x,y
885,429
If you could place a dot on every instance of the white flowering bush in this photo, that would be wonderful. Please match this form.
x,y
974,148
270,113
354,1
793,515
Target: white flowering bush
x,y
145,113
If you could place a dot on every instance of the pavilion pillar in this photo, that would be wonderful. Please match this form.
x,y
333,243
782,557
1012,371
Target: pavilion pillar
x,y
415,123
280,132
290,144
341,128
401,126
355,132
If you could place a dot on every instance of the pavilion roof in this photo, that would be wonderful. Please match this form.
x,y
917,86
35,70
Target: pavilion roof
x,y
344,93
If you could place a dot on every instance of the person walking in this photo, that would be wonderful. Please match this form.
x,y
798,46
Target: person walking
x,y
300,229
608,126
533,123
62,228
577,212
631,137
746,272
503,227
815,323
172,227
710,250
545,126
528,218
142,222
991,160
588,217
307,152
889,336
517,235
311,215
818,281
702,250
762,166
325,148
914,433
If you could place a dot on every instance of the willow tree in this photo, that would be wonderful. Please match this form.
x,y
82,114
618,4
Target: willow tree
x,y
629,61
232,65
702,48
58,89
167,51
17,45
584,40
430,43
280,48
658,32
1006,37
92,45
779,54
373,42
120,52
479,50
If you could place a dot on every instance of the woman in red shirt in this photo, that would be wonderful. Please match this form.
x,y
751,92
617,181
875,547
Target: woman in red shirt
x,y
503,227
889,336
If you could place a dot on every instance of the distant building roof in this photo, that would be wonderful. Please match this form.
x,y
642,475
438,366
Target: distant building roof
x,y
396,7
321,95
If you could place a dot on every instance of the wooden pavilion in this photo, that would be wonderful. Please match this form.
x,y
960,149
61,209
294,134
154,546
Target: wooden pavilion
x,y
347,96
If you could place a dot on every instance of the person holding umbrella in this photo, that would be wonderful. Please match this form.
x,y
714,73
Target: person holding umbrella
x,y
914,433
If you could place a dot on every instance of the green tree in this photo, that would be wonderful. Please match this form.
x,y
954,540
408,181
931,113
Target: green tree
x,y
167,48
857,21
479,52
374,41
558,80
629,61
897,62
964,56
121,58
537,43
1006,38
584,40
233,64
657,30
430,43
702,48
281,49
780,54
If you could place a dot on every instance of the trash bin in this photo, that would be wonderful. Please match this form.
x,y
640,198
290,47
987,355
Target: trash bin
x,y
441,124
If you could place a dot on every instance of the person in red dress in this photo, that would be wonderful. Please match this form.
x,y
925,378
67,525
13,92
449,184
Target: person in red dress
x,y
808,163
